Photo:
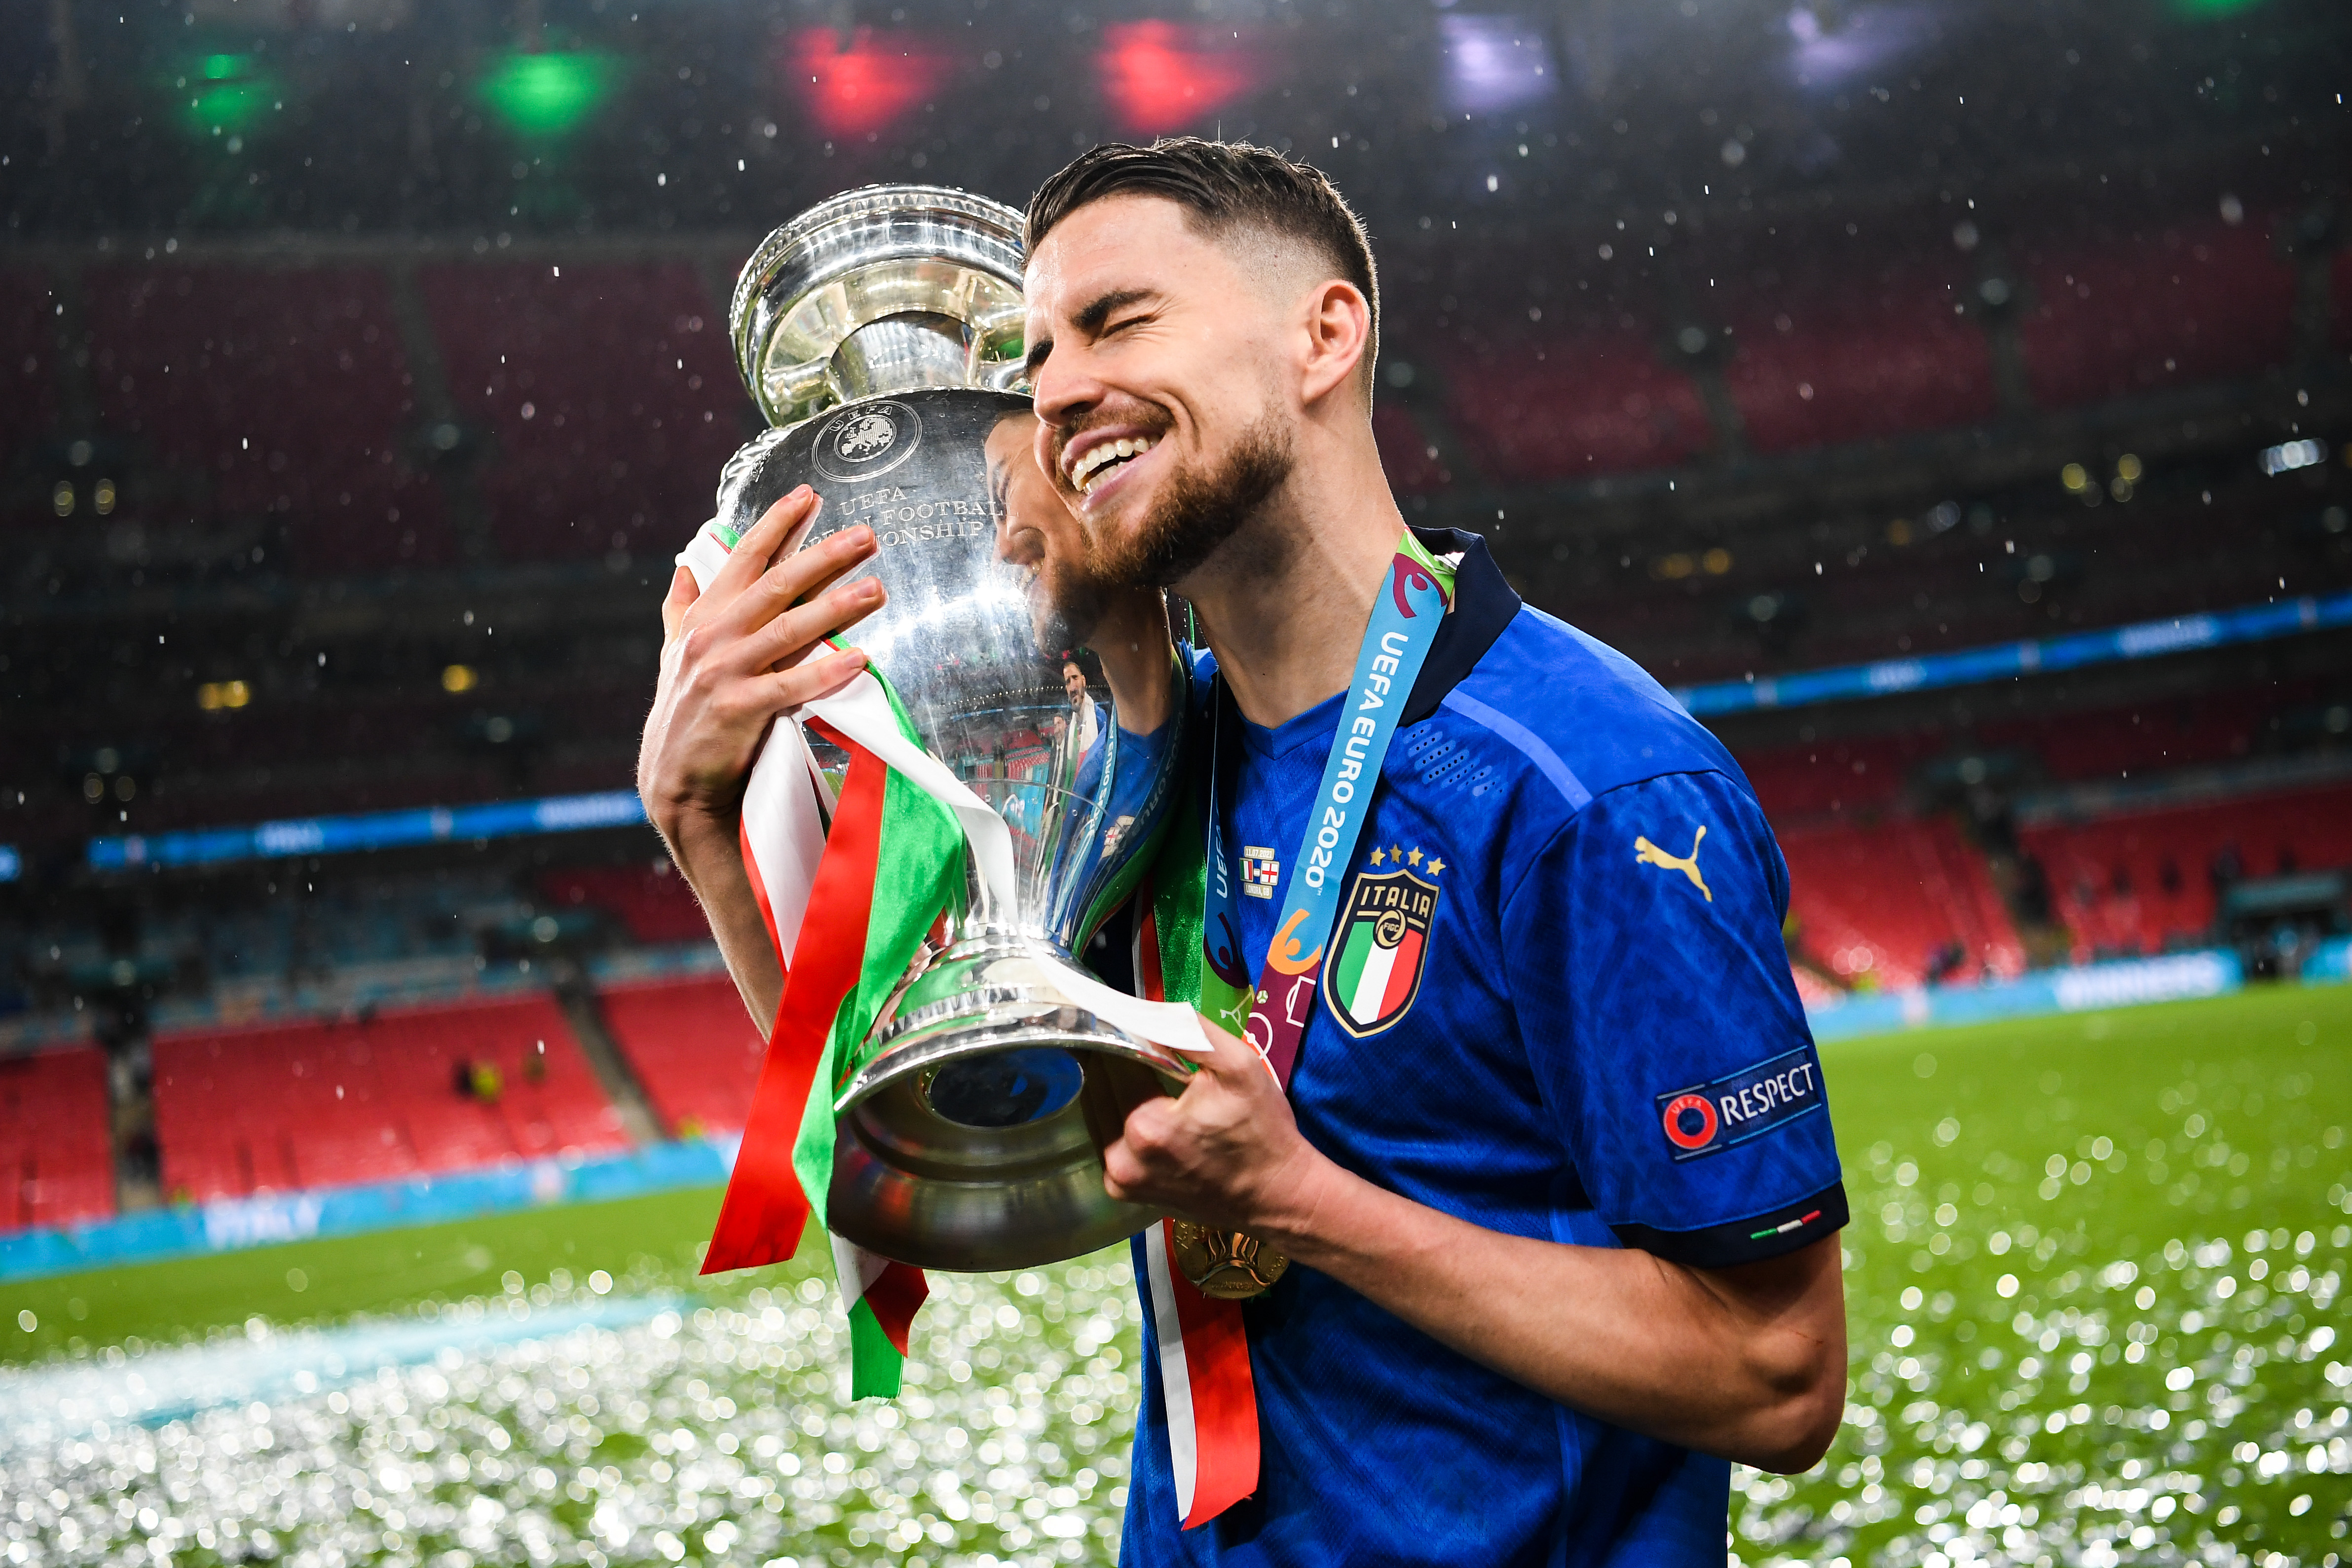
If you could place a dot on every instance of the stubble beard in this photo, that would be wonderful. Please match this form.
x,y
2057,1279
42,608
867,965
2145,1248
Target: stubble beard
x,y
1068,603
1198,512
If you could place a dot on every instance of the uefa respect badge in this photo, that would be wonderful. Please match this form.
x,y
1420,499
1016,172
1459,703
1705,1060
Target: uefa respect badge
x,y
1708,1117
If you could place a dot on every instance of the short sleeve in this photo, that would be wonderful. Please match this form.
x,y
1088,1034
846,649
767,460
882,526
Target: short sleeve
x,y
1652,983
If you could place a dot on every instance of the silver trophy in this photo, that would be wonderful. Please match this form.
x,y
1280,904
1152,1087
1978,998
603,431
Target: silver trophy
x,y
880,333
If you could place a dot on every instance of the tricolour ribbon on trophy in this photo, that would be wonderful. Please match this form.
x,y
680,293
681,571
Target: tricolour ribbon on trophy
x,y
845,924
1188,948
847,908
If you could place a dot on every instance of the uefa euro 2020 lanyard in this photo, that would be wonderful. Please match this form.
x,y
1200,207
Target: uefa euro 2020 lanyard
x,y
1204,1362
1405,619
1405,623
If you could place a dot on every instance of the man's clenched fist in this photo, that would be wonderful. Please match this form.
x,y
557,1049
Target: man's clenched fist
x,y
1227,1152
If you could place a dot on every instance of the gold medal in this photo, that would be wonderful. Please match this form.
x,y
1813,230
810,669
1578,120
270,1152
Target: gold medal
x,y
1229,1265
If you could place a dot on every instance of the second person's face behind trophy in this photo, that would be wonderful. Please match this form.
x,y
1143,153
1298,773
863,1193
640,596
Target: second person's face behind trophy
x,y
1071,603
1035,531
1167,372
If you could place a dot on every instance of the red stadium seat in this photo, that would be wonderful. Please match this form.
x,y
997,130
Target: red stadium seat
x,y
1562,406
654,902
1795,784
1868,350
1875,902
1406,455
2140,881
2176,733
609,393
2119,315
273,393
290,1105
692,1046
57,1153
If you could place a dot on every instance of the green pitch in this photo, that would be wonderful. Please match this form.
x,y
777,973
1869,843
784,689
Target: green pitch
x,y
2094,1278
650,1243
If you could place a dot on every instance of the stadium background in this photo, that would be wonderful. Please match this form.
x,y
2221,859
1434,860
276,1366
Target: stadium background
x,y
1948,398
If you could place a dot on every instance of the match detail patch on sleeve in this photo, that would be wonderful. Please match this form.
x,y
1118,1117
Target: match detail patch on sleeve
x,y
1708,1117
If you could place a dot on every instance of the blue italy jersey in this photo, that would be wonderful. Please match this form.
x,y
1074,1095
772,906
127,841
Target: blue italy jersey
x,y
1557,1005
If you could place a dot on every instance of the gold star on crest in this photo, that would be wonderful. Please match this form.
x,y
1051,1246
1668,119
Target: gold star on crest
x,y
1435,865
1375,857
1415,856
1396,856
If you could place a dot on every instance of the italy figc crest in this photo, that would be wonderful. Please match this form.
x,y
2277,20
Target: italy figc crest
x,y
1382,941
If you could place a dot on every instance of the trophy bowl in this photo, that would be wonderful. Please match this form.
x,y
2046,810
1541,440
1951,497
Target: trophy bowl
x,y
880,332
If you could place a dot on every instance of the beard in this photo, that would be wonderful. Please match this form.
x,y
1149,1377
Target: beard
x,y
1198,512
1066,603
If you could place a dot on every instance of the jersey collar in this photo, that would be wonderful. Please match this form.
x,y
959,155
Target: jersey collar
x,y
1484,604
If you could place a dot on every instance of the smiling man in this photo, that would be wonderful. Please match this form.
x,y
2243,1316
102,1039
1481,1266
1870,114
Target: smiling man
x,y
1544,1135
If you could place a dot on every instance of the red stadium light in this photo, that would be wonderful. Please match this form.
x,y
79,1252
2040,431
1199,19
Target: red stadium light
x,y
856,83
1161,78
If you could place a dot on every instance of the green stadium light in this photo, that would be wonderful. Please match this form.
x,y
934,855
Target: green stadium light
x,y
223,94
548,94
2207,8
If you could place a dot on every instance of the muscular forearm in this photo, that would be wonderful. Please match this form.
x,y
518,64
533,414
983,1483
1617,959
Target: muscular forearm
x,y
709,855
1746,1364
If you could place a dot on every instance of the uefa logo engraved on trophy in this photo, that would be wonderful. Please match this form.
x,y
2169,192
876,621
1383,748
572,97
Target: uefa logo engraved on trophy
x,y
867,441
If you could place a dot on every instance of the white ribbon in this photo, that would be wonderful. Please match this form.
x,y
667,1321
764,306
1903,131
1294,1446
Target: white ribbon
x,y
783,824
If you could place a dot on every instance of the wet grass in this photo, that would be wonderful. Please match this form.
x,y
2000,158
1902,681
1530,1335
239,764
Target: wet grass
x,y
2093,1282
654,1241
2095,1279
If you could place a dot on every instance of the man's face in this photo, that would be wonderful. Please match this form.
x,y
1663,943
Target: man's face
x,y
1035,531
1074,681
1159,361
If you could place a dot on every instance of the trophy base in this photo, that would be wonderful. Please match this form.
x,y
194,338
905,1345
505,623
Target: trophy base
x,y
971,1139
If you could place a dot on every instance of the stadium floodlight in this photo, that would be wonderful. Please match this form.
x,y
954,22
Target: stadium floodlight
x,y
1495,62
547,93
860,81
2289,456
1161,78
225,95
1834,44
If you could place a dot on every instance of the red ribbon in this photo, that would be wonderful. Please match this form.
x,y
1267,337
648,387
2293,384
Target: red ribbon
x,y
1216,1361
765,1212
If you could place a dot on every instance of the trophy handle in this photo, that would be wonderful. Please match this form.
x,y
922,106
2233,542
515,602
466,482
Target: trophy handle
x,y
1114,1088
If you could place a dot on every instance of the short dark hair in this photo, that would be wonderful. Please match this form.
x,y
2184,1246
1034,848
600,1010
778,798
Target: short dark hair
x,y
1223,186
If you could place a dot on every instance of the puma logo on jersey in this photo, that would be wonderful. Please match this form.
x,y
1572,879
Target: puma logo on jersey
x,y
1648,854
